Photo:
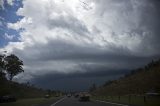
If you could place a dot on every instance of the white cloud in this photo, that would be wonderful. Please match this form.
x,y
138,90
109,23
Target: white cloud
x,y
23,23
65,20
9,37
2,4
10,2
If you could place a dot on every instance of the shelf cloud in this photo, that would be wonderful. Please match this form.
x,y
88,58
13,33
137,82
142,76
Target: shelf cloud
x,y
64,38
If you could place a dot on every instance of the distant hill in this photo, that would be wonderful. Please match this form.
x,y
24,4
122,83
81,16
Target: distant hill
x,y
138,81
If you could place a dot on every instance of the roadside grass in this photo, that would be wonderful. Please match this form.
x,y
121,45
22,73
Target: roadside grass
x,y
31,102
134,100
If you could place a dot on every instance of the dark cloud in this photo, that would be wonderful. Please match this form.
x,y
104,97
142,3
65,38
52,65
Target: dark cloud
x,y
62,50
150,21
75,81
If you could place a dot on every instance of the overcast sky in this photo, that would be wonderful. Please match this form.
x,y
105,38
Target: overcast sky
x,y
70,44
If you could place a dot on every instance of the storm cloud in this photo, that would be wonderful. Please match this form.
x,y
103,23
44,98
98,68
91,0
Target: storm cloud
x,y
67,43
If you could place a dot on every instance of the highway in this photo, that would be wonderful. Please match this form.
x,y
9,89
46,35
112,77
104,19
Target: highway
x,y
66,101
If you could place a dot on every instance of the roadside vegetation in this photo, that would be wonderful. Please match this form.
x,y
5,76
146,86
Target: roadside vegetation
x,y
130,99
32,102
10,66
140,87
25,94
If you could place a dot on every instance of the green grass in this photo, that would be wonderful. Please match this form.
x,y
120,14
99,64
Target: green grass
x,y
134,100
31,102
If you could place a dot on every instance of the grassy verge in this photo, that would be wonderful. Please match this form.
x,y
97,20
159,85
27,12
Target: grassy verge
x,y
134,100
31,102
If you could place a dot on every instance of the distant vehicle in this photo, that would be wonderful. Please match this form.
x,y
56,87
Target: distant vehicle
x,y
47,96
84,96
7,98
69,95
76,95
57,96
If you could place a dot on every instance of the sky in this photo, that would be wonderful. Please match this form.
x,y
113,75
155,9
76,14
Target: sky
x,y
71,44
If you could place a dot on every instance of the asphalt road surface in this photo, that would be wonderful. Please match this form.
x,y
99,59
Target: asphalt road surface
x,y
66,101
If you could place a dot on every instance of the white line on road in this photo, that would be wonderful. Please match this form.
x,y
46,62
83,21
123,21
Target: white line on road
x,y
112,103
58,101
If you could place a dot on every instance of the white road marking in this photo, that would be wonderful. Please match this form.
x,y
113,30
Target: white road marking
x,y
112,103
57,101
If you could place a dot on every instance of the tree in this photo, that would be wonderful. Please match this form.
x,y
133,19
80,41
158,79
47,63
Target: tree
x,y
1,63
2,67
13,66
108,83
93,87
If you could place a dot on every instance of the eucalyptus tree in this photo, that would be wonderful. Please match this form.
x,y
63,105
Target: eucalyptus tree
x,y
13,66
